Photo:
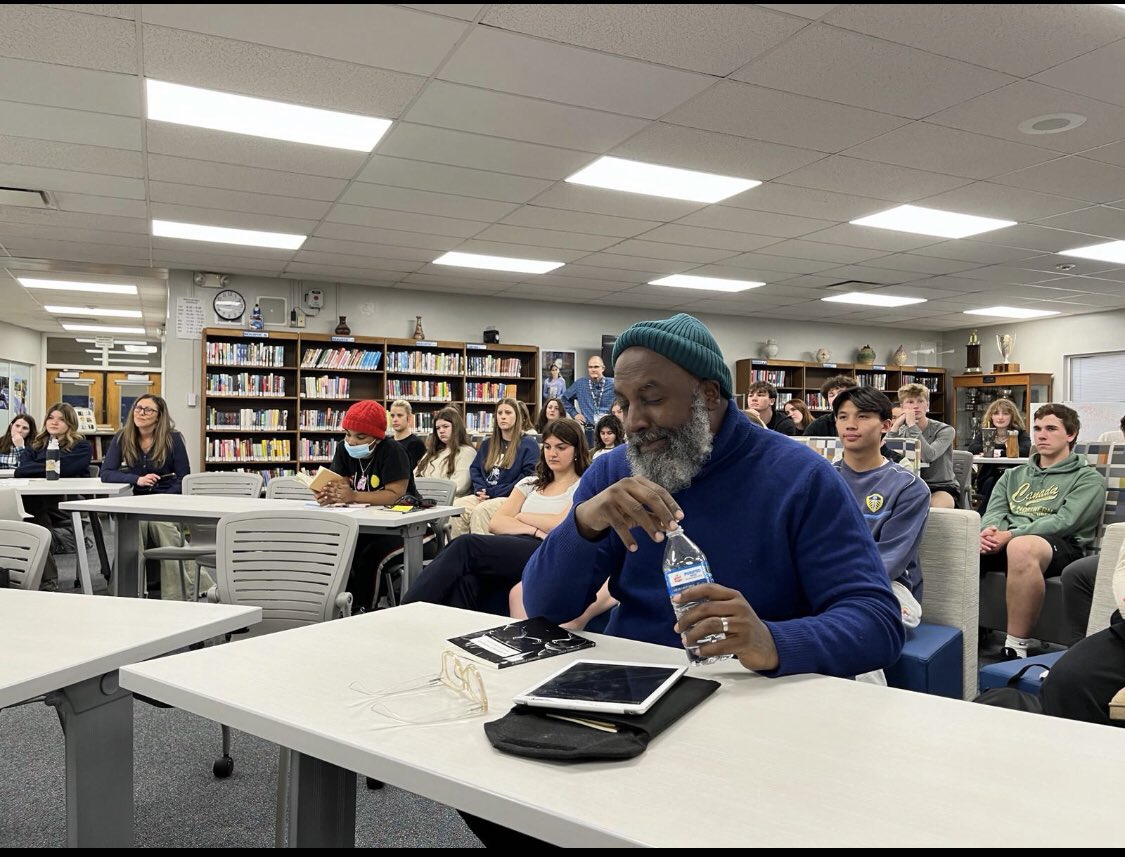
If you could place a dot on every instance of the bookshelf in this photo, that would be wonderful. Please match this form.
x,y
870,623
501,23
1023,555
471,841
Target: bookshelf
x,y
804,380
273,402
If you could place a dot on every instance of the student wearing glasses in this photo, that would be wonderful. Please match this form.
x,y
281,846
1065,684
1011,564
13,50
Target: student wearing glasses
x,y
149,454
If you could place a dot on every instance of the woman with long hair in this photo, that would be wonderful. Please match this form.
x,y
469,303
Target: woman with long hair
x,y
449,452
502,460
552,409
799,412
149,454
608,434
1005,417
476,572
20,429
61,425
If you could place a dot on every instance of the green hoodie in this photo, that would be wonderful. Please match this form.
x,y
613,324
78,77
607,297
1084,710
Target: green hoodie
x,y
1064,500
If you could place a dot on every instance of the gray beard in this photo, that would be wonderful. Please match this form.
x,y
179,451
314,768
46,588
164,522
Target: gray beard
x,y
674,466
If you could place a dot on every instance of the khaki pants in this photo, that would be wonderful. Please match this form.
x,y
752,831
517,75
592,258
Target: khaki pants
x,y
173,585
474,516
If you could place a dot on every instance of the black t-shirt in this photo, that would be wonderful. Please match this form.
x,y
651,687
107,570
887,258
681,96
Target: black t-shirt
x,y
415,448
388,463
782,422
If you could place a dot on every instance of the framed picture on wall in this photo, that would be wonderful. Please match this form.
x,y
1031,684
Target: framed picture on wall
x,y
558,372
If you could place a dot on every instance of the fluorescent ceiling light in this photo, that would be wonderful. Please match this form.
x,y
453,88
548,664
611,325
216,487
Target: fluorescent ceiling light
x,y
714,284
114,354
258,117
1111,251
67,286
869,299
101,328
497,263
129,360
655,180
116,342
135,348
223,235
931,221
1011,312
98,311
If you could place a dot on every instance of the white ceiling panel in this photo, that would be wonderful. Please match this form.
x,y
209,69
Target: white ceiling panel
x,y
403,220
40,178
50,85
67,38
229,219
492,59
208,174
718,239
48,219
519,251
28,152
823,62
570,221
393,237
1093,74
596,200
988,199
756,222
868,178
233,200
819,252
374,251
872,238
69,126
775,265
462,11
391,268
1100,220
672,252
1073,177
546,238
425,202
806,202
101,205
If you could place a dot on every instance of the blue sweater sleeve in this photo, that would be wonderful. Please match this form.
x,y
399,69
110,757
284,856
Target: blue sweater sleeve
x,y
901,534
73,464
111,465
476,469
568,397
177,464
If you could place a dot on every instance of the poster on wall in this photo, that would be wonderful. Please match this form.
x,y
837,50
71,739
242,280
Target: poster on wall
x,y
558,372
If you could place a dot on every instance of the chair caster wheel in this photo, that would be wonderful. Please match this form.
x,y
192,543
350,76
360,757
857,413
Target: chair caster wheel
x,y
374,785
223,767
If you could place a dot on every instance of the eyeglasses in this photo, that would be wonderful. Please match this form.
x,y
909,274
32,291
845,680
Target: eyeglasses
x,y
455,693
141,409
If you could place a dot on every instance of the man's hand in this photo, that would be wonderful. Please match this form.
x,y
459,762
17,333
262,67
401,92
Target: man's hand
x,y
911,419
747,638
337,491
899,422
148,480
993,540
631,502
580,418
17,438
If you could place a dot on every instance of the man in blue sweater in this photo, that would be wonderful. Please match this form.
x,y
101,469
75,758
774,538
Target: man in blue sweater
x,y
894,502
800,586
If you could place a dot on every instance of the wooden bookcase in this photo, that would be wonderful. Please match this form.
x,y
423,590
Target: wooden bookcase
x,y
803,380
277,399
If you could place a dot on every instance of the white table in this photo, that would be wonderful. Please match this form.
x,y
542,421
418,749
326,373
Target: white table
x,y
70,648
68,487
985,459
185,508
799,761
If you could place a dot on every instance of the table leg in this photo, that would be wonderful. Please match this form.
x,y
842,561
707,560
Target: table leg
x,y
127,570
97,718
412,553
321,804
80,549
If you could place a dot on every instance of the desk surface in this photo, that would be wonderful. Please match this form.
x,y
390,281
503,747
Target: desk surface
x,y
52,641
988,459
186,506
83,485
803,760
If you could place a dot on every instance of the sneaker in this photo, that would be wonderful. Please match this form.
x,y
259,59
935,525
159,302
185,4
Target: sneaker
x,y
1009,654
49,586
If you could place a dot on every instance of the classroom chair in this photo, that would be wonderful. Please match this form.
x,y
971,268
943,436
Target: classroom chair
x,y
24,549
288,488
963,470
434,488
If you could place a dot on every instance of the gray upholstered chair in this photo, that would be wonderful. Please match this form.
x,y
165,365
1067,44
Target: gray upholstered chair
x,y
24,549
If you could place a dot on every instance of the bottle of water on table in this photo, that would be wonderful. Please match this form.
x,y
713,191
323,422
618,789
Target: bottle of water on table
x,y
685,565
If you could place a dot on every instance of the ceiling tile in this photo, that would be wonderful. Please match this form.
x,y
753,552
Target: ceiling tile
x,y
1092,74
86,159
374,251
673,252
69,126
1099,220
41,178
425,202
463,11
718,239
822,252
208,174
67,38
988,199
1032,238
805,202
233,200
756,222
546,238
383,219
1073,177
867,178
868,236
394,237
596,200
848,68
777,264
520,251
50,85
230,219
569,221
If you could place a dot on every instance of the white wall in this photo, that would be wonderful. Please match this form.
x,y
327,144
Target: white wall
x,y
1044,345
21,345
391,312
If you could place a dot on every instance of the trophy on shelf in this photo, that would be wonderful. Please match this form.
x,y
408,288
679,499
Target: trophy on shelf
x,y
972,355
1004,342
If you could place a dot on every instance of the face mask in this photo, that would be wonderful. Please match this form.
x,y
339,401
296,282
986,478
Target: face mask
x,y
357,450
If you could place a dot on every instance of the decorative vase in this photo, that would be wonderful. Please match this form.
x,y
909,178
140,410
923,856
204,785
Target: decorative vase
x,y
342,328
822,355
900,357
770,349
418,333
865,356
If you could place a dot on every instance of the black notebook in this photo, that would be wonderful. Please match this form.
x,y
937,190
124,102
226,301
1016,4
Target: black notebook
x,y
520,642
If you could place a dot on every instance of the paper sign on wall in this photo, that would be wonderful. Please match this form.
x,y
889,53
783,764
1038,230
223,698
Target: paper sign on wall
x,y
189,318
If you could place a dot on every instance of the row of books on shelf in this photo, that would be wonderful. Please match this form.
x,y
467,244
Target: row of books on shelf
x,y
479,422
326,387
511,367
340,358
777,377
486,392
930,382
246,354
316,449
878,380
328,419
247,418
245,384
244,449
445,363
419,391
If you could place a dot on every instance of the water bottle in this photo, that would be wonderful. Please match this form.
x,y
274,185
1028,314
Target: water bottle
x,y
685,565
53,454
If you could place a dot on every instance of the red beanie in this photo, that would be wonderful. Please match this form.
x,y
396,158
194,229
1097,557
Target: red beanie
x,y
368,417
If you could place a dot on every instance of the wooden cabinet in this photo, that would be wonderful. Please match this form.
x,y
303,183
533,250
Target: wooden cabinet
x,y
972,394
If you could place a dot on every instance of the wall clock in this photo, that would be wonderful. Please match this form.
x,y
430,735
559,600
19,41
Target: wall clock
x,y
229,305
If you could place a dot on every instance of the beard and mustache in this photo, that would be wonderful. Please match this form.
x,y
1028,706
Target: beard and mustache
x,y
686,450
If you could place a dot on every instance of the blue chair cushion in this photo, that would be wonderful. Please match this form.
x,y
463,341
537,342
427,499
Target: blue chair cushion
x,y
932,662
998,674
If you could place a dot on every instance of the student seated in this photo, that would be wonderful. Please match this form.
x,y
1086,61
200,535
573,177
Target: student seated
x,y
799,412
477,572
74,462
149,454
502,460
762,397
936,444
552,409
376,471
20,429
1115,436
449,452
1042,516
825,424
608,435
1006,418
402,423
894,502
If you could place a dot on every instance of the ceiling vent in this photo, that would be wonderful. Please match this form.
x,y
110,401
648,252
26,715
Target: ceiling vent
x,y
24,198
854,286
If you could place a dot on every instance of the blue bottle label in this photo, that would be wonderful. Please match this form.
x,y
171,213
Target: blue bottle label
x,y
678,579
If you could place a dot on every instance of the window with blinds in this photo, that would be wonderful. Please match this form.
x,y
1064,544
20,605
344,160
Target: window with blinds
x,y
1098,377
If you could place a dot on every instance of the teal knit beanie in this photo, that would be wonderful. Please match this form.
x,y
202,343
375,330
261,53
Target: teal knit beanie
x,y
685,341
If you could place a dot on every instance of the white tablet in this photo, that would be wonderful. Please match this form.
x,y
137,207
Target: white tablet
x,y
614,687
